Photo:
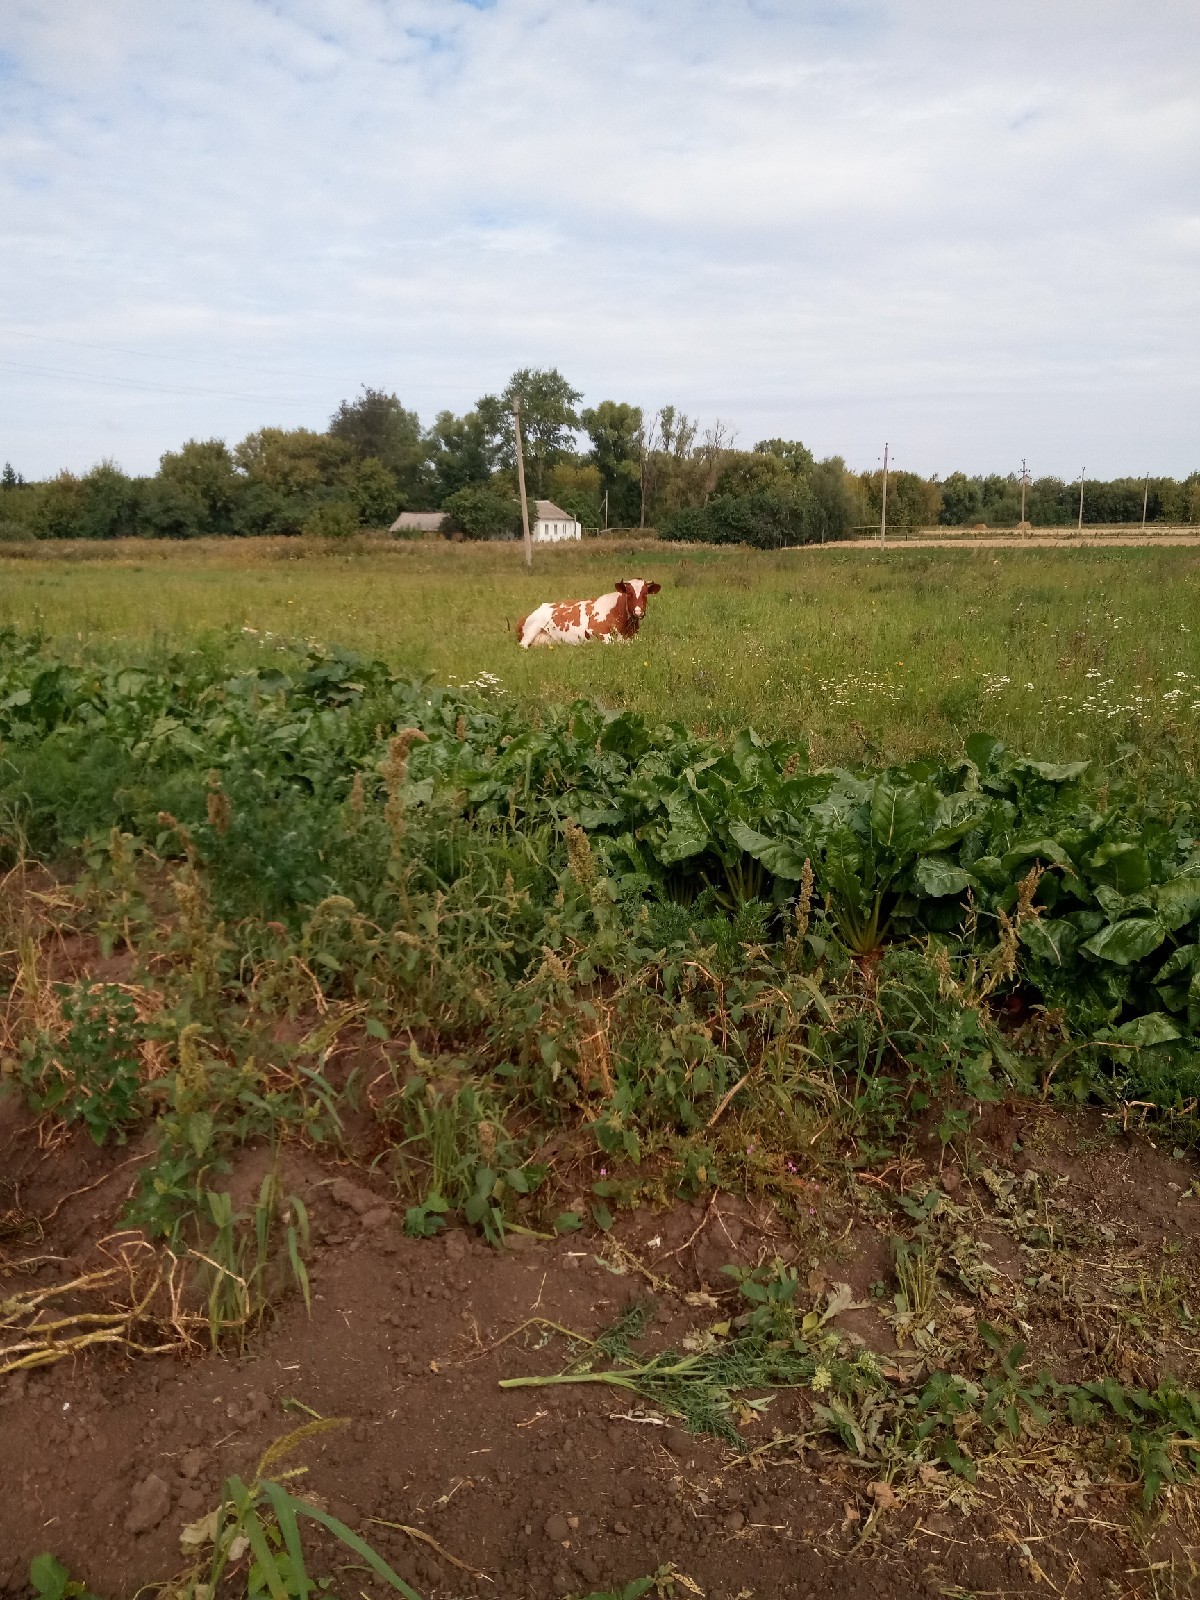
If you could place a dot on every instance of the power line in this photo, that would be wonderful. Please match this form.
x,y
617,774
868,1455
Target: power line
x,y
151,388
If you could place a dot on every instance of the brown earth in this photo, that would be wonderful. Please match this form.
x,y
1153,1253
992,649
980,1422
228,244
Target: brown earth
x,y
554,1491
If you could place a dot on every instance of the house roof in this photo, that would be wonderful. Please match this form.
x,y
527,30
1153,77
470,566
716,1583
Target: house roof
x,y
547,511
423,521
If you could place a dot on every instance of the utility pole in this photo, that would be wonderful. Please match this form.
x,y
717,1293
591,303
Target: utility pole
x,y
521,484
606,510
883,507
1145,501
1024,483
1082,474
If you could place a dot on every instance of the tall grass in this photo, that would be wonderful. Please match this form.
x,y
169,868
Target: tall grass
x,y
1062,653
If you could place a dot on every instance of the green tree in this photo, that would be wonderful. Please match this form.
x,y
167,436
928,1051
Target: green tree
x,y
616,432
296,461
9,479
375,493
483,513
464,450
797,457
548,419
377,427
206,469
171,510
913,501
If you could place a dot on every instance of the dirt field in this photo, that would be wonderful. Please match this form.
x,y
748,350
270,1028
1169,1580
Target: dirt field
x,y
534,1492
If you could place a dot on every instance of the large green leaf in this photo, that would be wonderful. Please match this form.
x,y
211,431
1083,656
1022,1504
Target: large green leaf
x,y
778,855
1047,851
897,817
1125,942
1048,940
1153,1028
1125,866
1179,901
688,835
1054,771
934,877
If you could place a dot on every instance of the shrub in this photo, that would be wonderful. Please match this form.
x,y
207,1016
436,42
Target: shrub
x,y
482,513
332,519
15,532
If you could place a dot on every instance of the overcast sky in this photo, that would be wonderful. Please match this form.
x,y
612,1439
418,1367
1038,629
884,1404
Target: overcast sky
x,y
971,229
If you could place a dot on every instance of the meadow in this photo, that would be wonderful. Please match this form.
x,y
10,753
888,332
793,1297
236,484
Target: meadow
x,y
868,656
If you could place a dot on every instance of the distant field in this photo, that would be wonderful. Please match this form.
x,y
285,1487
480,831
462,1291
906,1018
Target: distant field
x,y
1061,652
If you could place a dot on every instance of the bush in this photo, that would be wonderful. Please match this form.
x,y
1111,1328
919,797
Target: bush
x,y
332,519
481,513
818,507
170,510
766,521
15,532
262,509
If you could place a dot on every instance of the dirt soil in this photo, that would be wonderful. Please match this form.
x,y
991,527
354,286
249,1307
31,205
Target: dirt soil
x,y
527,1493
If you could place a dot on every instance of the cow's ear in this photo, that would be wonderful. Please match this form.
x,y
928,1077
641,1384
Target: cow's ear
x,y
653,588
622,586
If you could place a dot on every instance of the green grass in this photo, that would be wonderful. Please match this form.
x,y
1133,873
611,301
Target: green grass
x,y
1061,653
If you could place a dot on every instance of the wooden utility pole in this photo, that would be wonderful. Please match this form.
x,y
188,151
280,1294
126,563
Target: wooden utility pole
x,y
521,484
1081,476
1024,482
883,507
1145,502
606,510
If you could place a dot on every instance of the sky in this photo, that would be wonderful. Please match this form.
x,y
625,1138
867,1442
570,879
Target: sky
x,y
969,230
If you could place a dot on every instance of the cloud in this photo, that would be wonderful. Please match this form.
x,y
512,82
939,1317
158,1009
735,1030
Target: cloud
x,y
972,230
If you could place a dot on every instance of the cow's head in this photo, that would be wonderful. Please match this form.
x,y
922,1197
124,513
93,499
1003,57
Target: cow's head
x,y
637,591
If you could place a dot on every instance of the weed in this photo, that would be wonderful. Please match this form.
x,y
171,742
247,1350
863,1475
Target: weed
x,y
92,1071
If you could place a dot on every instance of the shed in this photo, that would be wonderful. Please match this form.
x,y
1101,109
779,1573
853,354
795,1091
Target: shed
x,y
418,522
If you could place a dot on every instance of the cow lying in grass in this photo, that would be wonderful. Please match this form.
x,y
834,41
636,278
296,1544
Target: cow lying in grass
x,y
613,617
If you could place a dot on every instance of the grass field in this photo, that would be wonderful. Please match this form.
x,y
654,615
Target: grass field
x,y
347,1002
869,656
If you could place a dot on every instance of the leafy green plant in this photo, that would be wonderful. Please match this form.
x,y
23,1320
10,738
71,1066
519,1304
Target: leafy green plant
x,y
50,1580
92,1073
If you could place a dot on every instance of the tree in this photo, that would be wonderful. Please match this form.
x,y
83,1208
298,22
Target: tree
x,y
374,493
205,468
615,430
795,456
913,501
377,427
8,478
464,450
296,461
483,513
171,510
548,418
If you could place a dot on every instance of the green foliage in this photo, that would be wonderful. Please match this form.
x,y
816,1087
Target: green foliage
x,y
483,513
331,519
91,1074
50,1580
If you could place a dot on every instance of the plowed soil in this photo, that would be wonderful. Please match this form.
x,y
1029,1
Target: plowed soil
x,y
470,1489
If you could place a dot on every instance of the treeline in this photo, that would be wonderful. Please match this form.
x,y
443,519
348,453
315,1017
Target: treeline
x,y
612,465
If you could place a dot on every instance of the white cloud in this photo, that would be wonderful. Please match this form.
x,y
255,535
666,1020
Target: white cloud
x,y
972,230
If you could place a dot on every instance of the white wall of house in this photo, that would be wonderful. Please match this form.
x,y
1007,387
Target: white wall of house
x,y
550,530
551,523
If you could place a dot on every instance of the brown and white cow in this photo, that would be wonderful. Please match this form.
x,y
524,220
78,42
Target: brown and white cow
x,y
613,617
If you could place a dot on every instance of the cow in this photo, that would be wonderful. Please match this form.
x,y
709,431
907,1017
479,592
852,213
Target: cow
x,y
613,617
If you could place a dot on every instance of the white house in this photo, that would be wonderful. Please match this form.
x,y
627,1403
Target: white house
x,y
411,522
553,523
